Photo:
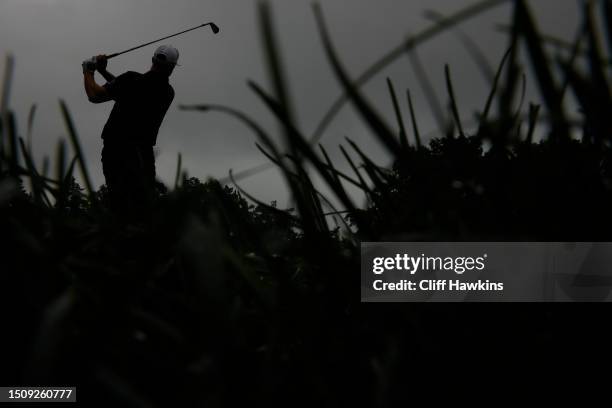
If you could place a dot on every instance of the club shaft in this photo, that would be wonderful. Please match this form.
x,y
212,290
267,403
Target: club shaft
x,y
154,41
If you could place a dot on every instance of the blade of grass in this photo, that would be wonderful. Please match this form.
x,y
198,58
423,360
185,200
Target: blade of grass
x,y
273,160
316,197
598,75
489,103
179,165
362,182
519,108
540,63
607,12
274,61
428,90
398,114
348,229
35,179
45,167
596,118
337,174
76,145
470,46
249,172
372,119
370,168
70,171
508,90
575,50
415,126
558,43
453,101
31,115
366,159
9,66
259,202
60,160
534,111
13,143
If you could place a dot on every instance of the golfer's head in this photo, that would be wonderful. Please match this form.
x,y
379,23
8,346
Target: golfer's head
x,y
165,59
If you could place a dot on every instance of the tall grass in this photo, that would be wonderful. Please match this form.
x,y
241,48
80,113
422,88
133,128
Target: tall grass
x,y
221,300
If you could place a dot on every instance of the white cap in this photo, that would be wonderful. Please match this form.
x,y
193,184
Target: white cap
x,y
166,54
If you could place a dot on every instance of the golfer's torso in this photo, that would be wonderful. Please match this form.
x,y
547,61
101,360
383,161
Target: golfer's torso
x,y
141,102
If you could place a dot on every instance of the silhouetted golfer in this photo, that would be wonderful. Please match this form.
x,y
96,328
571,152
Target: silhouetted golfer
x,y
141,102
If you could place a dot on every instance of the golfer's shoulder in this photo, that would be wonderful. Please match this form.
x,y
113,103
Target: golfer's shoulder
x,y
130,74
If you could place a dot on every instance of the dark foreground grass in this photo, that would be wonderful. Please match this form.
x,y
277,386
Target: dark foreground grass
x,y
221,300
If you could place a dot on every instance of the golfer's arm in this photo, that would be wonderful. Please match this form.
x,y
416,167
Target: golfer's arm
x,y
95,93
107,75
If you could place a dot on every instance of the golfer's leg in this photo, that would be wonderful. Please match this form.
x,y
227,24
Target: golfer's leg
x,y
145,174
111,167
117,166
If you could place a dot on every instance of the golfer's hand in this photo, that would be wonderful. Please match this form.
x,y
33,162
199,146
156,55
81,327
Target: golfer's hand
x,y
89,65
101,62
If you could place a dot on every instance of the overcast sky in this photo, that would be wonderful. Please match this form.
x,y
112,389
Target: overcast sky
x,y
50,39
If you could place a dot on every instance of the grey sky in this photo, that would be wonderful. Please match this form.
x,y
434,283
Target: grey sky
x,y
50,38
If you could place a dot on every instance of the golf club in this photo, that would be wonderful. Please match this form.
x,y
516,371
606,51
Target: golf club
x,y
213,26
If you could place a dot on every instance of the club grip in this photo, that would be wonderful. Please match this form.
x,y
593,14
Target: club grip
x,y
112,55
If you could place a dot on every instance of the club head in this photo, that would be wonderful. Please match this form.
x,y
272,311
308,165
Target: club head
x,y
214,27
